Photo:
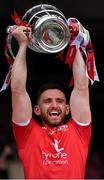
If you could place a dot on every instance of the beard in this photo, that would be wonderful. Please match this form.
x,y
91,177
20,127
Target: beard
x,y
53,120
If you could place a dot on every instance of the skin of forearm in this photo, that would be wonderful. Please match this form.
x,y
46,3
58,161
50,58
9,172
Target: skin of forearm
x,y
79,72
19,70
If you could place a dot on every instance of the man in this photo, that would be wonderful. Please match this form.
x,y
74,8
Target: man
x,y
55,150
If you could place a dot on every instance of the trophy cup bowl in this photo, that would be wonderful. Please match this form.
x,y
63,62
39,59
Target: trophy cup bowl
x,y
50,31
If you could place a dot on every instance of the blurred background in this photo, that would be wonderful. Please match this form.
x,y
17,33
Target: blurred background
x,y
91,14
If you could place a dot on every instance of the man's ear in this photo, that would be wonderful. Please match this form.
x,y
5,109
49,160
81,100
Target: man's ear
x,y
37,110
67,109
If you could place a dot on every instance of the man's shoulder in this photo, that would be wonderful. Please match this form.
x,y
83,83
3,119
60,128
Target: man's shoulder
x,y
31,122
79,126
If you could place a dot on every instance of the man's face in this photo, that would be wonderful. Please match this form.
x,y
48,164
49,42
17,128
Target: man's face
x,y
52,107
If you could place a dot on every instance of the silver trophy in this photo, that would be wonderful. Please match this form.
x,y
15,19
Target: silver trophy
x,y
50,31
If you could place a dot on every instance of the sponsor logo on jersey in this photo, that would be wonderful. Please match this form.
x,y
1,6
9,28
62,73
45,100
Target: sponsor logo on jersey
x,y
59,157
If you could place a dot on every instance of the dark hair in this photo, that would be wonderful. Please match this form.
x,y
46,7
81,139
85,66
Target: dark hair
x,y
50,85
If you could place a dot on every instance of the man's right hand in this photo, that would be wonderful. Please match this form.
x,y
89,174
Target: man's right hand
x,y
22,34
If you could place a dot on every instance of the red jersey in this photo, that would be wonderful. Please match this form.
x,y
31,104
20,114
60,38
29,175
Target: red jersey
x,y
53,153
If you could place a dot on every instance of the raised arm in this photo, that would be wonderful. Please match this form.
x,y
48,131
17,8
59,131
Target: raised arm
x,y
79,100
21,104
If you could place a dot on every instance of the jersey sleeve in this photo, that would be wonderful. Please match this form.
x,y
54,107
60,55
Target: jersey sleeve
x,y
21,133
83,131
